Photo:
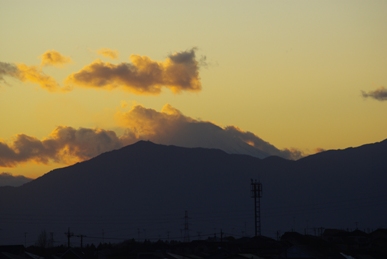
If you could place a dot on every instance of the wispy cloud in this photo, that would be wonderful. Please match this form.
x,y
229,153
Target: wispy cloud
x,y
109,53
179,72
7,69
32,74
379,94
54,58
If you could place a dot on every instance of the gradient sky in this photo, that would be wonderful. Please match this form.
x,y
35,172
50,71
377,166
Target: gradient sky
x,y
307,75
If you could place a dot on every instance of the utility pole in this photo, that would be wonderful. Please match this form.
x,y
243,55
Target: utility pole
x,y
81,236
256,193
186,227
51,240
25,239
69,235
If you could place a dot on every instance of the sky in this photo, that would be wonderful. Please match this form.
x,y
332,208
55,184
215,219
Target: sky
x,y
286,78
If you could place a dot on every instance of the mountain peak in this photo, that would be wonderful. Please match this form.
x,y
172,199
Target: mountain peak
x,y
150,186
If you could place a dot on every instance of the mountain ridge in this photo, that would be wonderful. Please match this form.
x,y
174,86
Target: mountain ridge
x,y
150,186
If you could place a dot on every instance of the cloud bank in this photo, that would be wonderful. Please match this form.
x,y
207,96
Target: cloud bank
x,y
179,72
379,94
64,145
171,127
67,145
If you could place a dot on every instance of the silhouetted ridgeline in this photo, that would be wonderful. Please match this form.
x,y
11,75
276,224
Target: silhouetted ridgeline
x,y
143,190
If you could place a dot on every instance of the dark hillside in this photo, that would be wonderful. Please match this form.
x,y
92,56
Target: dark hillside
x,y
143,190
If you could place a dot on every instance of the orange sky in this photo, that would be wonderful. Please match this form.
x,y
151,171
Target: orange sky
x,y
289,78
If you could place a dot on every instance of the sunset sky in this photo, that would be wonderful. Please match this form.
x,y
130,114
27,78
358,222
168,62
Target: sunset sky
x,y
78,78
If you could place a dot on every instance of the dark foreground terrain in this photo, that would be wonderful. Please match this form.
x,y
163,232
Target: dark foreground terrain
x,y
331,243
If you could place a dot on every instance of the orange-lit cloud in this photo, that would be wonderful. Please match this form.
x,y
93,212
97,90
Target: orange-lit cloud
x,y
319,150
171,127
64,145
32,74
258,143
179,72
379,94
109,53
54,58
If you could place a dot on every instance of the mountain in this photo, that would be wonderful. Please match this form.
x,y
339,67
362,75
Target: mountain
x,y
7,179
154,191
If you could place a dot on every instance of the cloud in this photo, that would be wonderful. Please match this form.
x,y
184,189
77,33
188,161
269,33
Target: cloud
x,y
109,53
64,145
319,150
171,127
379,94
7,69
7,179
32,74
54,58
255,141
179,72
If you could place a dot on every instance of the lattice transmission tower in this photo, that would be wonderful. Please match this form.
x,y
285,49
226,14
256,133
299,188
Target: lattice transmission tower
x,y
256,193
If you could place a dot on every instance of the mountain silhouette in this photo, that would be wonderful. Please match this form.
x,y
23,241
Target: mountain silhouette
x,y
144,191
7,179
